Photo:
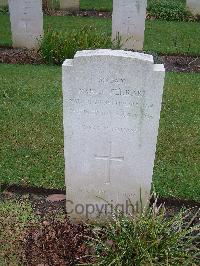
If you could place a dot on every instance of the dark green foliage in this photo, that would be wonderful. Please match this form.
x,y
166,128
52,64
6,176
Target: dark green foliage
x,y
149,238
4,10
57,46
169,10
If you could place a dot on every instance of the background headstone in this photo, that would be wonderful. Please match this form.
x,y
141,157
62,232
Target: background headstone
x,y
112,101
71,5
128,23
26,22
3,3
194,6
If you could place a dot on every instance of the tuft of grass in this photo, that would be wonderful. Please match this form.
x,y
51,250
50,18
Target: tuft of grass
x,y
148,238
57,46
15,217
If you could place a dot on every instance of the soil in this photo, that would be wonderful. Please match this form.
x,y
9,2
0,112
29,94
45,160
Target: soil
x,y
11,55
81,13
173,63
44,193
56,241
95,13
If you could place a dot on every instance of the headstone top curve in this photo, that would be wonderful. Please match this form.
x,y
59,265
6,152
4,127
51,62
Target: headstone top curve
x,y
115,53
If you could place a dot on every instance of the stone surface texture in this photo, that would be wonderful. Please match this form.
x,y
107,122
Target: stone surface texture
x,y
128,23
26,23
112,102
194,6
71,5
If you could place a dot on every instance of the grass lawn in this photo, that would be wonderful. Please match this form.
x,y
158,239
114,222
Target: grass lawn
x,y
5,31
160,36
32,136
177,167
100,5
31,126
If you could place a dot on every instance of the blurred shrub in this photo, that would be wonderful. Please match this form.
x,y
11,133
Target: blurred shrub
x,y
57,46
4,10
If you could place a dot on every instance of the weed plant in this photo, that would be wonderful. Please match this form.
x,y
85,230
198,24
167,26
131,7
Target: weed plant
x,y
148,238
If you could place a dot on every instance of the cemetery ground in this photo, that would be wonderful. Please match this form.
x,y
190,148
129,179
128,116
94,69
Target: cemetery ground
x,y
32,156
163,37
32,146
106,5
37,231
32,149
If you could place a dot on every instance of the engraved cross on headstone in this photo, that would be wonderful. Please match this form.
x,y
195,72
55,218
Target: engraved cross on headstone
x,y
109,158
26,20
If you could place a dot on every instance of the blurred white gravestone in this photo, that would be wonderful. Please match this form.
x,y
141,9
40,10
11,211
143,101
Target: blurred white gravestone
x,y
71,5
194,6
26,22
3,3
128,23
112,101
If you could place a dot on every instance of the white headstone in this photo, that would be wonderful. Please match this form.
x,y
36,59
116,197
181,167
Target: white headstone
x,y
71,5
128,23
194,6
26,22
112,101
3,3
